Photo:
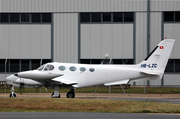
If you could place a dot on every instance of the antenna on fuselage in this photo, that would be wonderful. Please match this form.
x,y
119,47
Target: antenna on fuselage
x,y
110,60
125,62
106,57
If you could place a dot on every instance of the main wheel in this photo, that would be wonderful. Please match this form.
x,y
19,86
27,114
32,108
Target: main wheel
x,y
55,97
70,95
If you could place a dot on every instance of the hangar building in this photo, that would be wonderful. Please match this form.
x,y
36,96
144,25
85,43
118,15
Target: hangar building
x,y
34,32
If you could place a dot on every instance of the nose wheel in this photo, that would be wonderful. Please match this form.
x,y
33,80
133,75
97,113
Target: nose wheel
x,y
13,95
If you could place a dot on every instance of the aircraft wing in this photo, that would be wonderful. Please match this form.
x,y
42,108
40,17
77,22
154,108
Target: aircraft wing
x,y
64,81
117,82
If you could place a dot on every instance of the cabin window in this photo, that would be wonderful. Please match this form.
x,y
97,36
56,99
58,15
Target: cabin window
x,y
49,67
91,69
62,68
82,69
72,68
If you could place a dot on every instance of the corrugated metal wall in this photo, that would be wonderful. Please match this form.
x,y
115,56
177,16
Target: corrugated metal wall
x,y
164,5
87,5
116,40
25,41
172,30
141,36
65,37
72,5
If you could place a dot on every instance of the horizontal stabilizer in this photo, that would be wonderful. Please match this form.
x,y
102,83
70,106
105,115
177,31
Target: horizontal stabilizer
x,y
117,82
64,81
151,72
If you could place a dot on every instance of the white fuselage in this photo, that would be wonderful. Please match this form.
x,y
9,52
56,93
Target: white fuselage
x,y
102,73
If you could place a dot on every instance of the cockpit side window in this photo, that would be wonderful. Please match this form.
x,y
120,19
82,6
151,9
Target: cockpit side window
x,y
40,68
49,67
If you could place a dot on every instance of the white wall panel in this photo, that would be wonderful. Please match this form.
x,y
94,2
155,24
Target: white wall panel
x,y
4,41
155,82
86,41
65,37
46,42
96,41
172,79
14,41
128,41
141,37
106,40
118,45
25,41
155,29
138,83
171,30
177,79
113,39
36,38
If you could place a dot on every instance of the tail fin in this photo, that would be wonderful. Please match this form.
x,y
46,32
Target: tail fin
x,y
157,60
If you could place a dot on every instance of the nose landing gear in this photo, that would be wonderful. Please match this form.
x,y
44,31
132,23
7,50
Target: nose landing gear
x,y
13,94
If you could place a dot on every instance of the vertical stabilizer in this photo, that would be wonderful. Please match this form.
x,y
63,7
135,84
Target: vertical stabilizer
x,y
158,58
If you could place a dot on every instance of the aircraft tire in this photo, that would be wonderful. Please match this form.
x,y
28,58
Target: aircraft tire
x,y
70,95
12,95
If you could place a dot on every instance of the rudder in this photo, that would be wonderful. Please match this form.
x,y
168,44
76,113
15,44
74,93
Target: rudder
x,y
158,58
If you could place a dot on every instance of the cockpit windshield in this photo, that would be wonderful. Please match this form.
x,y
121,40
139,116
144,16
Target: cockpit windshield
x,y
40,68
48,67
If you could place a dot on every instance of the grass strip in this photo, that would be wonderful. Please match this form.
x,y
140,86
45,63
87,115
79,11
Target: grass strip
x,y
114,89
84,105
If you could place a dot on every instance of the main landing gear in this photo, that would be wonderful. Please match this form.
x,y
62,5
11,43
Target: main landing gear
x,y
56,92
13,94
70,94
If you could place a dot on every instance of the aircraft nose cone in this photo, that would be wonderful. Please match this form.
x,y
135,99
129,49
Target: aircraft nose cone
x,y
15,74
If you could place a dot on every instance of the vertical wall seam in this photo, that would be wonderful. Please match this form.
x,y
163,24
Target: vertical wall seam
x,y
52,37
79,39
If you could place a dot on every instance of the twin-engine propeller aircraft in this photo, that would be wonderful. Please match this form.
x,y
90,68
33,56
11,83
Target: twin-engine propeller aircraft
x,y
70,75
